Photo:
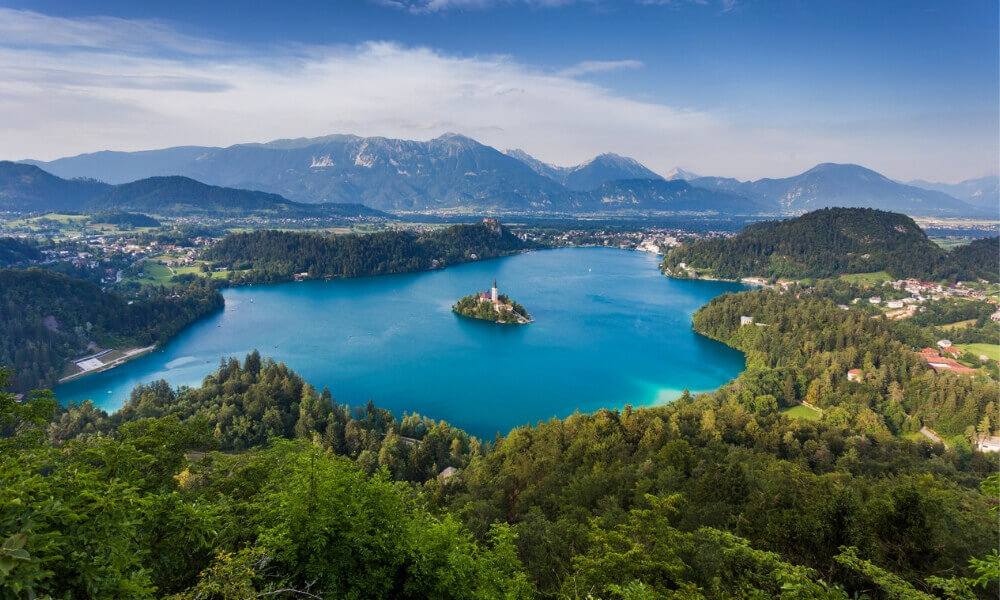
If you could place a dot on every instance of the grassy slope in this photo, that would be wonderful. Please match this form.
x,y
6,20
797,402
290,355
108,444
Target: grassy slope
x,y
990,350
802,412
874,278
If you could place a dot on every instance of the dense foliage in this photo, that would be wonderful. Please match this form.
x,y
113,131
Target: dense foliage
x,y
133,516
716,496
16,251
981,258
120,217
471,306
255,484
251,404
47,319
654,499
278,255
801,349
826,243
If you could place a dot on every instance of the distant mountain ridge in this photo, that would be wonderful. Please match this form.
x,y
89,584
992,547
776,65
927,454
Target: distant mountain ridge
x,y
448,171
982,192
27,188
679,173
456,173
844,185
591,174
659,195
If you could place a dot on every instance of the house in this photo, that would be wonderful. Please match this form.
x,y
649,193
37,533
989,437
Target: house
x,y
875,300
988,443
894,304
854,375
944,343
951,351
951,365
995,316
745,320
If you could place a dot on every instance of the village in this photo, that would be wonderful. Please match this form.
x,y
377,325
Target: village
x,y
655,240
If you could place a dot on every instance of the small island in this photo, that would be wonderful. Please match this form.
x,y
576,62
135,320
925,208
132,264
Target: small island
x,y
492,306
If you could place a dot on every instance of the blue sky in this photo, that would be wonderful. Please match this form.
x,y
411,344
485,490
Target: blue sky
x,y
734,88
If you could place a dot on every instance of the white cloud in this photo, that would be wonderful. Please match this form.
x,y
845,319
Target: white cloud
x,y
599,66
126,85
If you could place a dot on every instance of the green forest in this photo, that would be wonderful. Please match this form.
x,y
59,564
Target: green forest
x,y
255,484
47,319
15,251
121,217
271,256
835,241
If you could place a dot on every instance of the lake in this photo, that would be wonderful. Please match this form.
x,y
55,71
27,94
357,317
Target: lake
x,y
609,330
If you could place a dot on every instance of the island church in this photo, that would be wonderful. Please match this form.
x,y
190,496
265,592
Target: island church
x,y
494,297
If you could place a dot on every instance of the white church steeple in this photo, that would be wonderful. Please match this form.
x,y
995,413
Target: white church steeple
x,y
494,294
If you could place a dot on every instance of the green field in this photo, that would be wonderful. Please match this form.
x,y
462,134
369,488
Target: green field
x,y
802,412
69,224
957,325
876,278
950,243
156,273
990,350
153,273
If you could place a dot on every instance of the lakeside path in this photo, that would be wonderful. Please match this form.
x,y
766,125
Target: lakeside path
x,y
934,437
94,364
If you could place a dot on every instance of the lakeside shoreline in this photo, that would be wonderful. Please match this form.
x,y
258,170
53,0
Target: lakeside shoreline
x,y
129,354
355,387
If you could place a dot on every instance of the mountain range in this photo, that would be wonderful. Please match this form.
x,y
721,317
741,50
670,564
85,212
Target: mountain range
x,y
982,192
844,185
589,175
27,188
454,173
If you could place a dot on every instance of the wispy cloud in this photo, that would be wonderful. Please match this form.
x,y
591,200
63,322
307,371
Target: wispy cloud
x,y
33,29
599,66
93,84
439,6
434,6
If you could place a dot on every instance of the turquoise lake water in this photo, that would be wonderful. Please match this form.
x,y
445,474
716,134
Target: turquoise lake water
x,y
609,330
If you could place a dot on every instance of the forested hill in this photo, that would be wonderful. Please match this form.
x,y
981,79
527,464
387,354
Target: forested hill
x,y
278,255
48,319
26,188
981,257
185,196
716,496
825,243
